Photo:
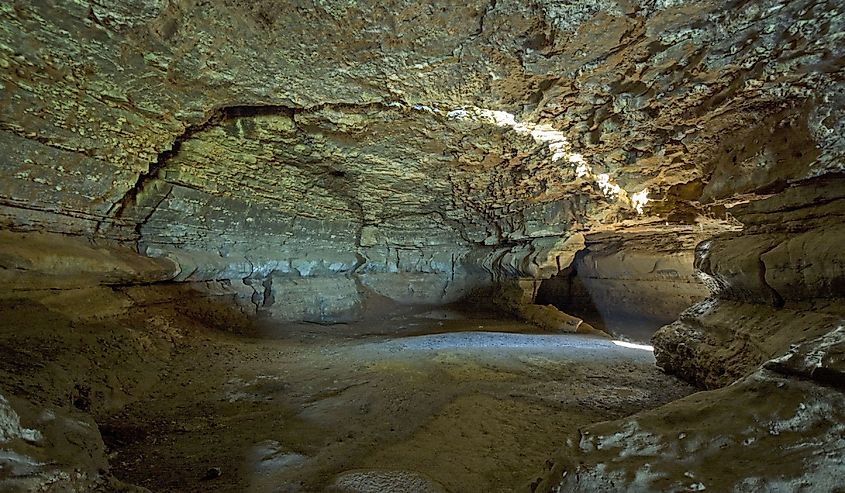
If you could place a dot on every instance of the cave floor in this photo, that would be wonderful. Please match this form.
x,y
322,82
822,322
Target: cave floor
x,y
430,402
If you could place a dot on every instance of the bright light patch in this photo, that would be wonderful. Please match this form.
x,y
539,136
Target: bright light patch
x,y
608,188
560,149
582,170
639,199
501,118
544,133
458,114
631,345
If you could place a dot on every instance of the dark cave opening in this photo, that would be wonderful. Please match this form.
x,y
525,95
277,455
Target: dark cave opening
x,y
627,306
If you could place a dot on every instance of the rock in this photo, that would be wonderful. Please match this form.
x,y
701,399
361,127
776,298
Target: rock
x,y
45,448
243,163
776,284
517,297
692,443
375,481
557,127
550,318
821,359
10,425
628,282
32,261
317,299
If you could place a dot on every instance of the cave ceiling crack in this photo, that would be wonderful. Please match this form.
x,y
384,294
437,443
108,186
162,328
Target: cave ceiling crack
x,y
213,119
155,169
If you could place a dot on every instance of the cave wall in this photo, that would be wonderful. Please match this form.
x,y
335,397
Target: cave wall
x,y
768,341
776,283
639,284
568,293
233,159
86,329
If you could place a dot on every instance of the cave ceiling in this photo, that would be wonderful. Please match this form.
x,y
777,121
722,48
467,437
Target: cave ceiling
x,y
208,124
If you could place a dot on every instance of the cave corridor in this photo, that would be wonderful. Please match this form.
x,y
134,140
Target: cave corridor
x,y
360,246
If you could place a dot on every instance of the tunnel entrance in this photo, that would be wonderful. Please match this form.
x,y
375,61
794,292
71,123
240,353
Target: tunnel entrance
x,y
626,294
566,292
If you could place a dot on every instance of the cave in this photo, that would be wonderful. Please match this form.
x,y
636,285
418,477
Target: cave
x,y
360,246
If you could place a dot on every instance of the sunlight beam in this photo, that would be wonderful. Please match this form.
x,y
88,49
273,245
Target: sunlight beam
x,y
631,345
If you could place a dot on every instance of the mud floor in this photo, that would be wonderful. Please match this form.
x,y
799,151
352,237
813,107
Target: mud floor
x,y
428,403
420,401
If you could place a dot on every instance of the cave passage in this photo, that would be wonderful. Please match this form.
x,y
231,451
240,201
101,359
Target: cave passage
x,y
424,401
364,246
628,289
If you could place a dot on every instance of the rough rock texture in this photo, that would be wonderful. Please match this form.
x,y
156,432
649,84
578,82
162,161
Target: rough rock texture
x,y
313,161
247,142
778,282
384,481
63,448
784,433
79,341
770,339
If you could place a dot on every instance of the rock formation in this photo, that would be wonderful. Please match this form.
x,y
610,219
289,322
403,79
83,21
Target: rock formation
x,y
769,340
249,161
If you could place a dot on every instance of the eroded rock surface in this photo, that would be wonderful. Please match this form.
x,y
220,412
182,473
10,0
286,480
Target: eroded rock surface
x,y
239,163
787,413
373,139
769,339
777,283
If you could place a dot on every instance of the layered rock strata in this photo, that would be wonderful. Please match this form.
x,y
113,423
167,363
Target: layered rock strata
x,y
769,339
778,282
237,160
420,135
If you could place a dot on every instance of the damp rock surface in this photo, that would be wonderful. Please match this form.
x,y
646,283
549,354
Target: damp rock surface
x,y
246,245
689,444
454,411
432,399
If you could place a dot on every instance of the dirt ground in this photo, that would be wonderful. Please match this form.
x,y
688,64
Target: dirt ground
x,y
425,401
455,404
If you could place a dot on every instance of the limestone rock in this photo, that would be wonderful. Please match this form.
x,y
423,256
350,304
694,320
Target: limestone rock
x,y
62,452
10,425
821,359
690,445
202,131
242,161
33,261
776,284
551,318
369,481
628,282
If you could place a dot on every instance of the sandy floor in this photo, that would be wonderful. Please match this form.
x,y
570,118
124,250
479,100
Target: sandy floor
x,y
429,402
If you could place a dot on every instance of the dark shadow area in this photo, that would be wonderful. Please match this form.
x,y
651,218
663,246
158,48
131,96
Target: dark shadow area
x,y
382,317
604,303
567,292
